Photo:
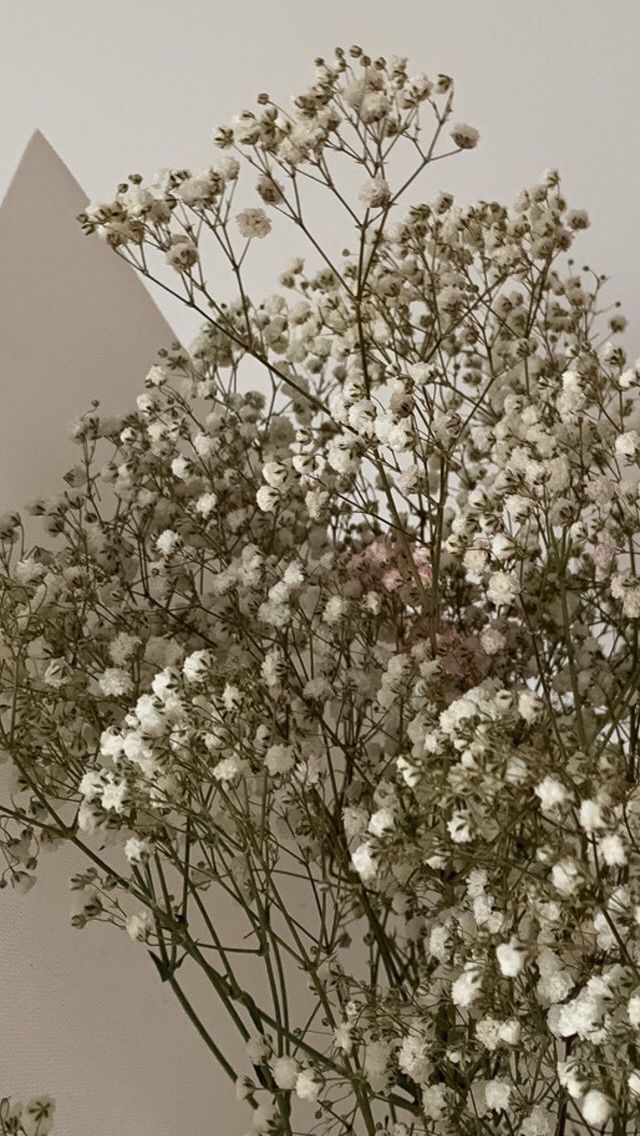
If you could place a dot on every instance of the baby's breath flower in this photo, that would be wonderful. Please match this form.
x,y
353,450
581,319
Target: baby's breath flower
x,y
182,253
511,958
364,862
375,193
167,542
465,137
279,759
253,223
307,1086
285,1072
114,682
596,1107
139,926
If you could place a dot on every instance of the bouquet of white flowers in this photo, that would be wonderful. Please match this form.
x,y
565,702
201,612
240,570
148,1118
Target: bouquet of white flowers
x,y
340,630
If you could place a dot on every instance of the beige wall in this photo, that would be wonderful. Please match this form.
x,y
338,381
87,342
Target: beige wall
x,y
130,87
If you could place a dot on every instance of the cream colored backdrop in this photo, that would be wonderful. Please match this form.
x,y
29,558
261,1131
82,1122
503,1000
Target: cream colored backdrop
x,y
131,86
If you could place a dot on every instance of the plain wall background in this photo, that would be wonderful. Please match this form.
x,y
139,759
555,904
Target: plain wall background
x,y
133,86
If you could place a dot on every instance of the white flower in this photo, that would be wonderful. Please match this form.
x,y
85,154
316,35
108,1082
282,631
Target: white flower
x,y
354,820
460,828
612,850
114,796
204,445
464,136
206,504
497,1093
502,546
136,850
122,647
167,542
275,473
28,570
434,1099
488,1033
139,926
627,444
182,253
199,189
37,1116
475,559
376,1064
408,771
467,985
517,506
565,876
380,821
230,168
227,769
253,223
529,705
364,863
285,1072
555,982
413,1056
551,793
92,784
503,588
279,759
334,610
591,816
270,190
633,1010
582,1015
307,1087
596,1108
180,467
400,437
362,416
439,941
509,1032
257,1048
342,1038
267,498
570,1078
195,666
156,376
114,681
492,640
375,193
511,958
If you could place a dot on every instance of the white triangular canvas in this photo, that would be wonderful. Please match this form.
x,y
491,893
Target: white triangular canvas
x,y
76,323
86,1015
